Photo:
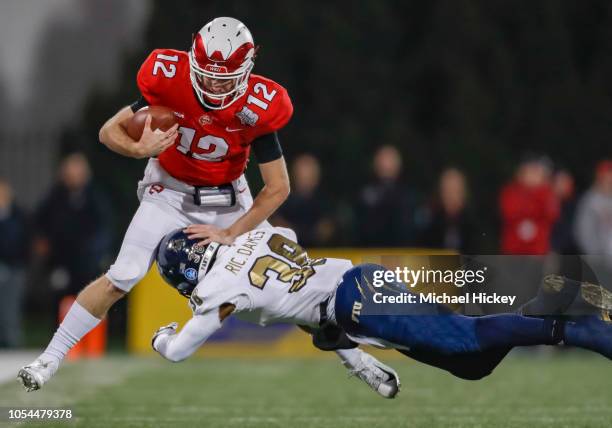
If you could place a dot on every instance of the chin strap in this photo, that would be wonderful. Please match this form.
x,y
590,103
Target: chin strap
x,y
208,259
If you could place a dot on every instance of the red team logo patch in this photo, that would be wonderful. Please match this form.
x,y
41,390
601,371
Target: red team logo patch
x,y
156,188
205,120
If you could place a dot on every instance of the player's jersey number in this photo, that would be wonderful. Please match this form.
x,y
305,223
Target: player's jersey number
x,y
295,277
261,89
168,70
214,148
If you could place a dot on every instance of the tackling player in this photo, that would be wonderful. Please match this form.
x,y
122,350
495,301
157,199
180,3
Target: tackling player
x,y
266,277
194,177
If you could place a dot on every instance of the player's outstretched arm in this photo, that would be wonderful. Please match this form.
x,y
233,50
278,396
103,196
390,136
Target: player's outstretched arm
x,y
275,191
176,347
114,136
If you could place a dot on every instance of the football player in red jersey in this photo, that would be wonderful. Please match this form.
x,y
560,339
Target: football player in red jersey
x,y
194,178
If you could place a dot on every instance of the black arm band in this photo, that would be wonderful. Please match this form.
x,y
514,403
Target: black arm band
x,y
267,148
137,105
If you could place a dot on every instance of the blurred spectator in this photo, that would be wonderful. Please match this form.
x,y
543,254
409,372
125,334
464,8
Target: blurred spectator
x,y
593,227
14,245
529,208
386,212
73,227
449,224
306,210
562,236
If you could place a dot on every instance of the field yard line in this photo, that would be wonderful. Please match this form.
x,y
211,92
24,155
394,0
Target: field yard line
x,y
12,361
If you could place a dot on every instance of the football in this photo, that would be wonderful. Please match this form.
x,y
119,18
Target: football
x,y
162,118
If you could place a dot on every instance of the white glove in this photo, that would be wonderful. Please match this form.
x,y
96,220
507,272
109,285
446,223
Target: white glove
x,y
164,331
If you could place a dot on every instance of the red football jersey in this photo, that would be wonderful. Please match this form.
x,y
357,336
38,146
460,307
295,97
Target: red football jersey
x,y
214,145
528,216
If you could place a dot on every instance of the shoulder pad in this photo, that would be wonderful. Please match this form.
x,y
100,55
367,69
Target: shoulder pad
x,y
267,105
158,71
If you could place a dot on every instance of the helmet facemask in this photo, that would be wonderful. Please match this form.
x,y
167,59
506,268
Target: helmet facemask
x,y
222,51
217,100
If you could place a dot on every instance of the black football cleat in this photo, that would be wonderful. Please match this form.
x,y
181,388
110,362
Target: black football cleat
x,y
559,295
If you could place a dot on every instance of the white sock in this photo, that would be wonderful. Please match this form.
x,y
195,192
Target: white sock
x,y
77,323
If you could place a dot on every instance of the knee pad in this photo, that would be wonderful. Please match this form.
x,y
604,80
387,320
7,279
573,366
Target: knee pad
x,y
125,275
131,265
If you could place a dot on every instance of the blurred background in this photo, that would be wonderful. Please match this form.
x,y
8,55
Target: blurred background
x,y
475,126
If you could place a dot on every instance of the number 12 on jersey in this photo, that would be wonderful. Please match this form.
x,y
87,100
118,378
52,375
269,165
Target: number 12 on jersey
x,y
213,148
268,96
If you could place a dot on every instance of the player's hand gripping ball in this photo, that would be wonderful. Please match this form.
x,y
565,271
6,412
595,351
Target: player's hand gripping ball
x,y
154,128
162,119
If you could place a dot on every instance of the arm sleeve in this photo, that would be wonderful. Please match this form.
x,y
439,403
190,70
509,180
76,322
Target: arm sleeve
x,y
277,115
193,335
148,83
267,148
282,112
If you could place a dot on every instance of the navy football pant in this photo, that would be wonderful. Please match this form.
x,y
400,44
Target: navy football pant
x,y
469,347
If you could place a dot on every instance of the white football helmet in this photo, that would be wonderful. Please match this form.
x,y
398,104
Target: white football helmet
x,y
221,60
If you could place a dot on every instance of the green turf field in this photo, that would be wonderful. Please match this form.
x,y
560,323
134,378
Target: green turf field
x,y
572,390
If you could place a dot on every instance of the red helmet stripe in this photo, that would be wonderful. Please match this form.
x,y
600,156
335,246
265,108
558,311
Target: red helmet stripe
x,y
232,63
